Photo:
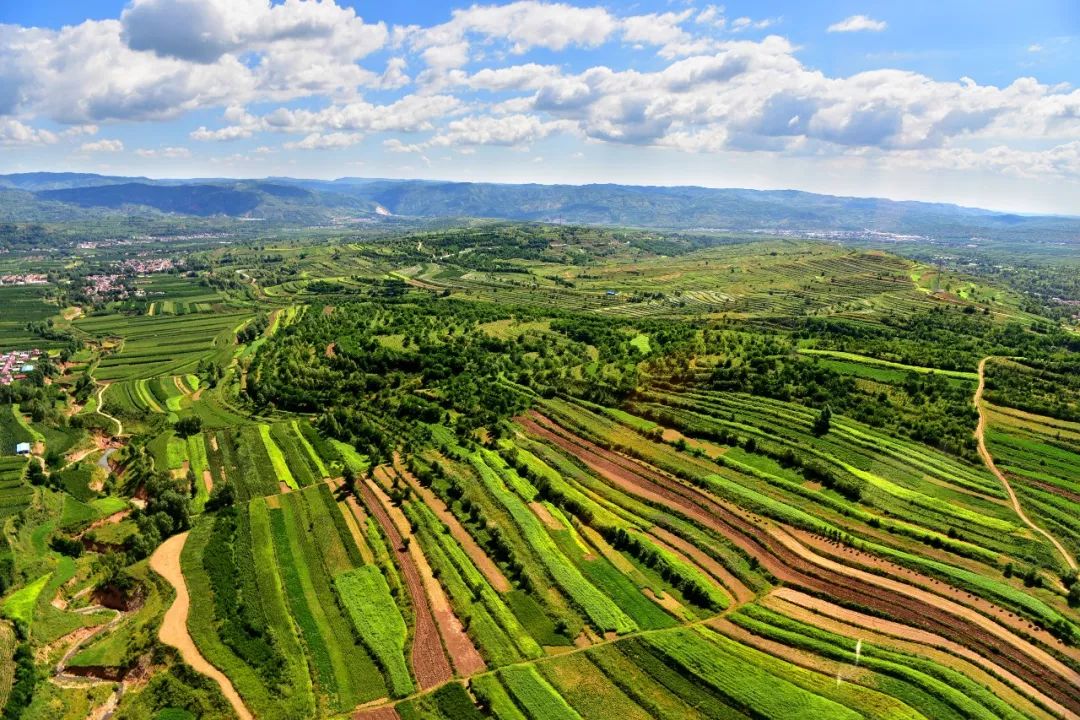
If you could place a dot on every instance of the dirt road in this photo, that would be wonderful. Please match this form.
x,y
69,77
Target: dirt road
x,y
101,404
166,562
988,459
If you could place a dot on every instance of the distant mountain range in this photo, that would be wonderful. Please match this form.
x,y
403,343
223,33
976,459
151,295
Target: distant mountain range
x,y
74,196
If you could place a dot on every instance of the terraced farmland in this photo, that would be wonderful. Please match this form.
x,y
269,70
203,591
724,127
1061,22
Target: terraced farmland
x,y
149,347
549,474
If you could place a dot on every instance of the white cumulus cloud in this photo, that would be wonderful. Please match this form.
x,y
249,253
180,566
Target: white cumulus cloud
x,y
102,146
858,23
167,153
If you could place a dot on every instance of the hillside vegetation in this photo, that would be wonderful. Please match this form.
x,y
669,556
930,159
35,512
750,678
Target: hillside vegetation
x,y
503,470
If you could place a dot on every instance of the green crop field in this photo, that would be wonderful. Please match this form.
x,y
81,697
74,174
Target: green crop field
x,y
378,621
528,471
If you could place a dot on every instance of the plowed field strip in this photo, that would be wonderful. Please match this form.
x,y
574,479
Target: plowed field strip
x,y
741,593
463,654
428,660
377,713
793,564
483,563
878,565
826,615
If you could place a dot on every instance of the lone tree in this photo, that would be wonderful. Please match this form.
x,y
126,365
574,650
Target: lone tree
x,y
189,426
823,421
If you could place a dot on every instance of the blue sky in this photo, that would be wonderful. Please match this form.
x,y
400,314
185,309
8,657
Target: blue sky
x,y
970,102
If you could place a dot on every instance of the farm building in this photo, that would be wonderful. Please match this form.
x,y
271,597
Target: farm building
x,y
27,368
22,448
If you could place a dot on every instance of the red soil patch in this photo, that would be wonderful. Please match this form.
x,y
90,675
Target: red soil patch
x,y
851,556
670,435
110,520
826,615
284,487
423,285
379,713
545,517
823,614
1050,488
208,480
330,350
583,640
429,662
101,443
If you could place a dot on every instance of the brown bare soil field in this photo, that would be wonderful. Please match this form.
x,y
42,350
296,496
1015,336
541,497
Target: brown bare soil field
x,y
378,713
1052,489
110,520
671,435
852,556
696,556
463,654
545,517
428,660
930,599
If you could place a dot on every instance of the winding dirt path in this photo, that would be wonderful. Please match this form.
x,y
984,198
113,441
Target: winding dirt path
x,y
166,562
988,459
100,411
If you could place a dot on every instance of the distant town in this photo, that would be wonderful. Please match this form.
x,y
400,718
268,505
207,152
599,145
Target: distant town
x,y
15,365
24,279
145,267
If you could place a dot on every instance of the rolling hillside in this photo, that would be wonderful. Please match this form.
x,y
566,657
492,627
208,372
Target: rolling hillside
x,y
61,196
